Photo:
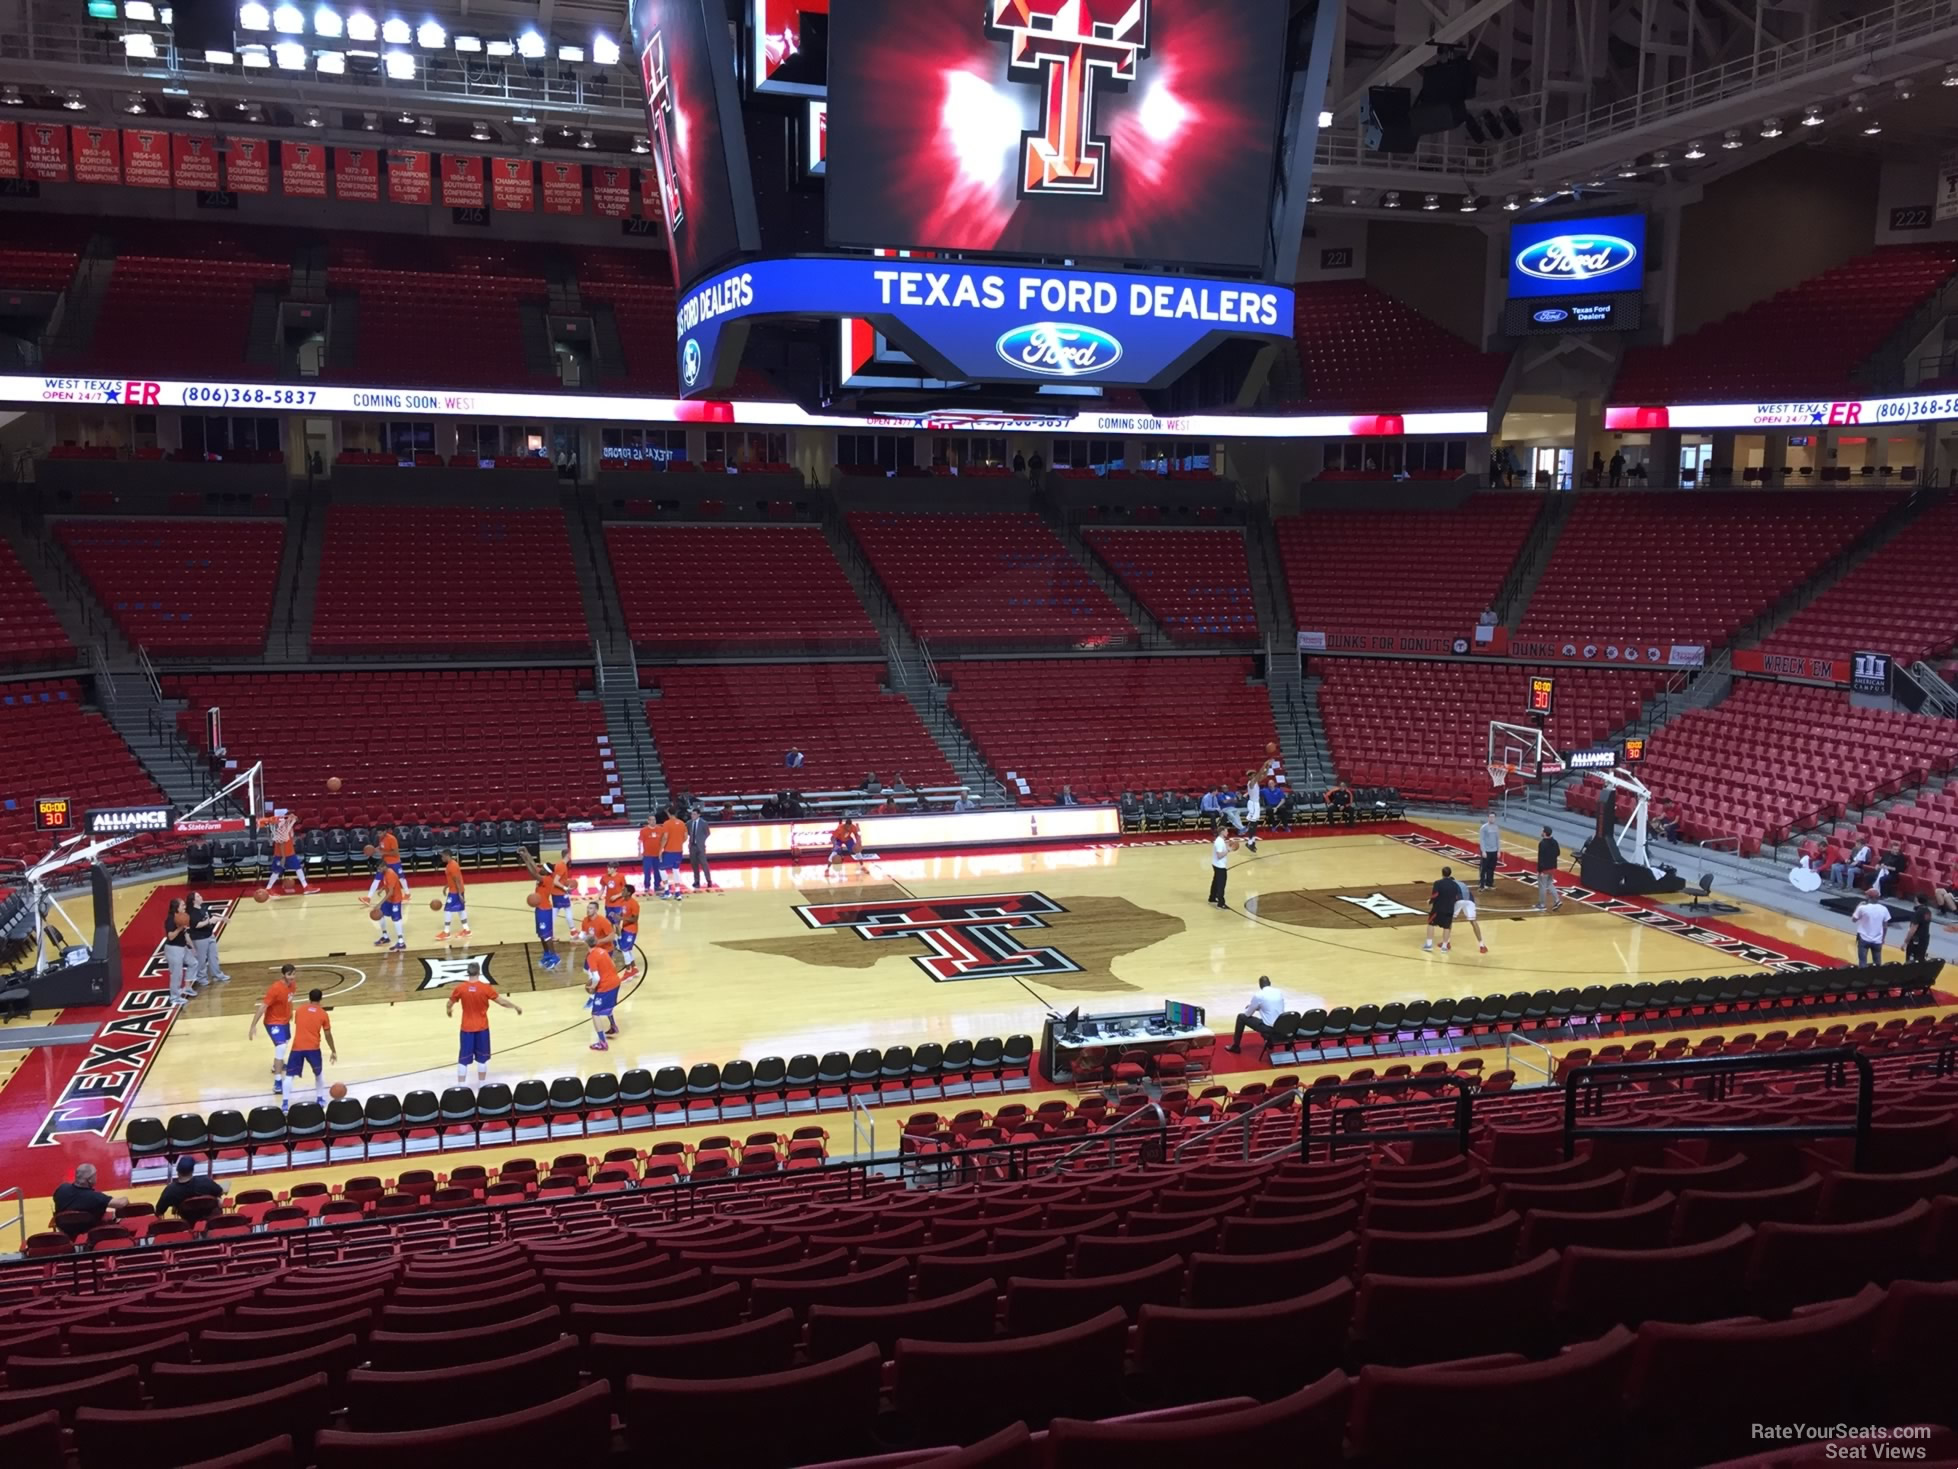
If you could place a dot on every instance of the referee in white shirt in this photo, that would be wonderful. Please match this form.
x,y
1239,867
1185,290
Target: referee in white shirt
x,y
1260,1012
1222,844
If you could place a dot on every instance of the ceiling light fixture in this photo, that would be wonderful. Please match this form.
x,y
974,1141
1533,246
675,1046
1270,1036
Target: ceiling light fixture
x,y
1661,158
604,50
288,19
1903,89
1871,127
255,56
1431,202
254,17
479,132
138,10
502,48
394,31
585,139
312,119
426,127
430,36
1469,204
468,43
1511,203
139,46
361,27
1325,118
1730,140
290,55
196,111
331,63
640,145
370,122
327,22
1391,199
531,46
1695,151
1628,169
572,54
1771,127
1811,117
400,66
134,104
72,101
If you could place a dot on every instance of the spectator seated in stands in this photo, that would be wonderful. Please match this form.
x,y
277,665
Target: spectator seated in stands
x,y
1841,873
793,759
1668,823
1339,803
1066,797
187,1185
80,1206
1277,802
1946,896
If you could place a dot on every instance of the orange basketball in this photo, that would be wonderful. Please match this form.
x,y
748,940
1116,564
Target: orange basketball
x,y
534,899
435,905
375,912
261,896
1271,748
369,850
337,1090
333,784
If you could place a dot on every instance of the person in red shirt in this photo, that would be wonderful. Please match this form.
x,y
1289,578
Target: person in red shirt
x,y
476,994
602,985
274,1010
388,888
310,1023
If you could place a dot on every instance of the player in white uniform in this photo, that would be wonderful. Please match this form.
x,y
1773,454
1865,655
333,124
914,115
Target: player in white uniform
x,y
1465,908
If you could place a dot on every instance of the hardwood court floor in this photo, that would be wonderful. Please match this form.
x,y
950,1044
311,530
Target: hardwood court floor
x,y
776,965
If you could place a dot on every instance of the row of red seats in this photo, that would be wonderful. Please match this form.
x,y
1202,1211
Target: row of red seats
x,y
1688,568
1446,565
1196,583
30,634
530,743
1901,600
1114,724
700,588
1360,348
399,578
164,317
181,588
724,730
50,744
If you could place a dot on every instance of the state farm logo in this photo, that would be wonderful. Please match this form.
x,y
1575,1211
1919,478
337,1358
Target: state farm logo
x,y
1575,257
1059,349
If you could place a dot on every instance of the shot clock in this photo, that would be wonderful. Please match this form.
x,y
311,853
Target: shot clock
x,y
54,813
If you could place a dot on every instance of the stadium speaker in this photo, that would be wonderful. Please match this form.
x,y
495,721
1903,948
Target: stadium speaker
x,y
203,25
1386,120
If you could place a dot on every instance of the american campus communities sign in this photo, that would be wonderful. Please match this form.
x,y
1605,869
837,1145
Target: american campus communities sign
x,y
990,322
312,398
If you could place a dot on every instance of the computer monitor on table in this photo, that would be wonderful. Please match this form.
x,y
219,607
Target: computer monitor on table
x,y
1180,1016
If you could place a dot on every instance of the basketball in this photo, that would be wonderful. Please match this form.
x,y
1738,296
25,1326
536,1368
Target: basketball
x,y
261,896
534,899
337,1090
1271,748
368,850
375,912
333,784
435,905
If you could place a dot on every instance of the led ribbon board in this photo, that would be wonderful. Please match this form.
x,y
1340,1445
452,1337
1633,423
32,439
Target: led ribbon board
x,y
987,323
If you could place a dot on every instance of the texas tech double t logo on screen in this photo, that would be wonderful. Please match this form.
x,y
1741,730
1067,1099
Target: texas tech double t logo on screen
x,y
659,104
1061,45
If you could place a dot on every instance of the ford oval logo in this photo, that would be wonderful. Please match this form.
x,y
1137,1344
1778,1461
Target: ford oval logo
x,y
1059,349
1575,257
1550,314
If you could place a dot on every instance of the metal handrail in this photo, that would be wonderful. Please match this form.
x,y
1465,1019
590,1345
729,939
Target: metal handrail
x,y
863,1130
1464,1110
1241,1119
1510,1036
1718,1070
149,672
1107,1135
19,1221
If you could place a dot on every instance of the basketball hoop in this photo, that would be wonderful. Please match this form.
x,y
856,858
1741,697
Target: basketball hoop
x,y
1499,775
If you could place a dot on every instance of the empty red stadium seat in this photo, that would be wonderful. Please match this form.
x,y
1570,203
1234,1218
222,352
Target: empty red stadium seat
x,y
181,587
1196,583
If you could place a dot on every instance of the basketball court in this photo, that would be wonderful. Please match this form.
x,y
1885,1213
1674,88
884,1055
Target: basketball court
x,y
788,960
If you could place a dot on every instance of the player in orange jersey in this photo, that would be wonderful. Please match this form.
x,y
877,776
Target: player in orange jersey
x,y
561,886
846,842
629,933
672,849
475,994
274,1010
613,888
285,849
540,902
388,889
390,846
595,929
455,906
602,984
309,1024
649,858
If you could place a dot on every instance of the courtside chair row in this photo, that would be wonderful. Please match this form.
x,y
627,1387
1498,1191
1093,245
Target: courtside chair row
x,y
348,1130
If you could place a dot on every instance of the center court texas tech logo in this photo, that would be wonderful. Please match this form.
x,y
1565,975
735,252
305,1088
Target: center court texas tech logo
x,y
969,938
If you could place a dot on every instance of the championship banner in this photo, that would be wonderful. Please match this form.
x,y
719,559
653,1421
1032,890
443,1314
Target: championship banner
x,y
564,187
611,191
303,167
649,193
9,150
146,158
1947,202
1792,665
195,160
248,165
513,185
408,180
462,180
98,156
46,151
357,175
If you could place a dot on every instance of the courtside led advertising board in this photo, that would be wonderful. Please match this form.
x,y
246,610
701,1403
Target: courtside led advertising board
x,y
1577,257
1136,130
